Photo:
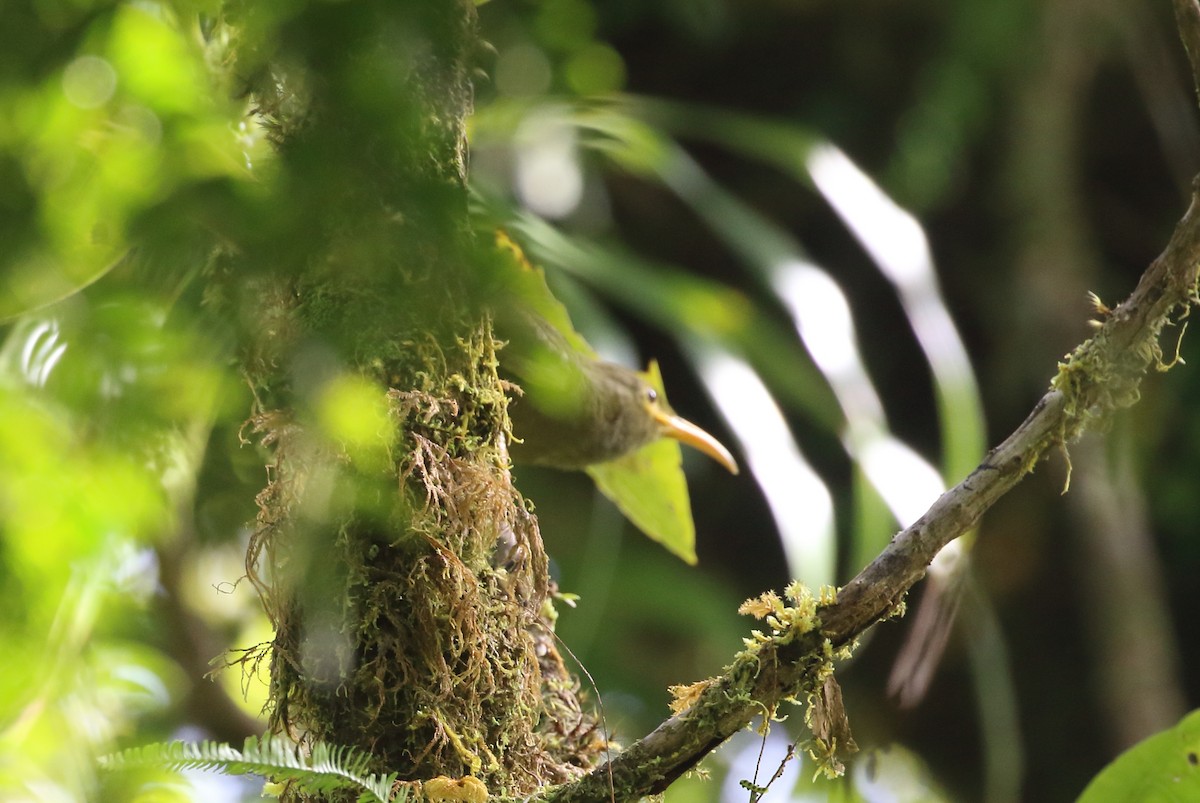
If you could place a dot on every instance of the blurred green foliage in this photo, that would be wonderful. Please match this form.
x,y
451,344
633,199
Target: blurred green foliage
x,y
97,132
110,115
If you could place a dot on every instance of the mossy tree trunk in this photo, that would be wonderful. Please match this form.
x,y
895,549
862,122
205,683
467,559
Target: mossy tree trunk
x,y
404,576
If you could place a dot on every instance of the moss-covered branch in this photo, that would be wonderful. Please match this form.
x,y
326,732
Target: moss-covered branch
x,y
1103,374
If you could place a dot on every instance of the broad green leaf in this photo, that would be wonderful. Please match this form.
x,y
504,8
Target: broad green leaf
x,y
526,283
1164,767
545,338
649,487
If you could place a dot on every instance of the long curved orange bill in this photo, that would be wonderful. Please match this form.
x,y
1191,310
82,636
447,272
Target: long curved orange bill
x,y
685,431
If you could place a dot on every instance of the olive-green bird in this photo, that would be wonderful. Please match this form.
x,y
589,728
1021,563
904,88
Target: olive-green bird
x,y
576,411
603,411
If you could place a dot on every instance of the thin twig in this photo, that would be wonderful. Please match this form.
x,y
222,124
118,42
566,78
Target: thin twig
x,y
757,792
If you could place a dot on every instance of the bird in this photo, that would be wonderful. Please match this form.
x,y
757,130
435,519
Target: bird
x,y
573,409
569,409
609,411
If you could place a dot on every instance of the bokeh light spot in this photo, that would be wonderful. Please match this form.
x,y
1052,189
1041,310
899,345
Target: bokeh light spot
x,y
89,82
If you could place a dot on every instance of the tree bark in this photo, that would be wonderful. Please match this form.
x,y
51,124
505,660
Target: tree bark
x,y
405,579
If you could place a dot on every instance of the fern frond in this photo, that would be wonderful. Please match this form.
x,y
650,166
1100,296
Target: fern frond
x,y
325,769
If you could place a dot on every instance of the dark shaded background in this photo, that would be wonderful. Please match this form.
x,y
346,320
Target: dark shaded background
x,y
1047,149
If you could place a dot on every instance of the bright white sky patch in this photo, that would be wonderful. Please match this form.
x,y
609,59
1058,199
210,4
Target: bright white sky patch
x,y
41,351
821,313
548,175
893,237
822,317
799,501
897,244
905,480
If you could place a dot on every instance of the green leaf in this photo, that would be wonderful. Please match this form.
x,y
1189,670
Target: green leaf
x,y
526,284
649,487
1164,767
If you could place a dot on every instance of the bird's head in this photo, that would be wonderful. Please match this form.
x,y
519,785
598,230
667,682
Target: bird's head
x,y
653,407
636,412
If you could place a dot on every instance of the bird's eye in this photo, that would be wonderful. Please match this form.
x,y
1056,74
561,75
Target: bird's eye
x,y
651,395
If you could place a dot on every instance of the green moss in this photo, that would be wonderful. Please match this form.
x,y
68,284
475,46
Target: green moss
x,y
398,629
1100,377
791,619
